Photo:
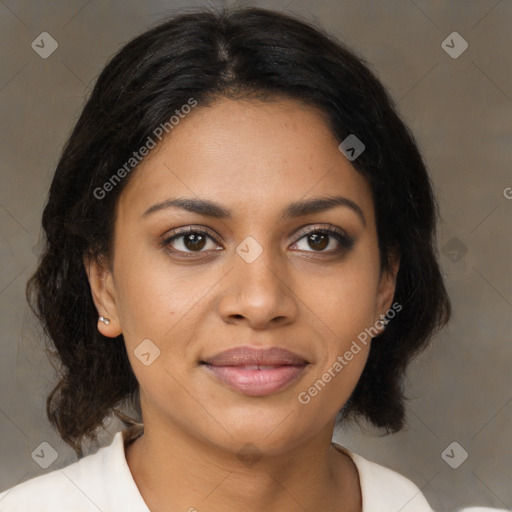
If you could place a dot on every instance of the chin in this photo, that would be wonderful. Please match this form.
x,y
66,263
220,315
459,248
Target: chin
x,y
270,432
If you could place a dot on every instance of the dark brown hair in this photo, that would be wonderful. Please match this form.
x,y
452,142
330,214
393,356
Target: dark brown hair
x,y
206,54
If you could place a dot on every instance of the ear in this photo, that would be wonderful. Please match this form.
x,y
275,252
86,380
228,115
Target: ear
x,y
386,290
104,295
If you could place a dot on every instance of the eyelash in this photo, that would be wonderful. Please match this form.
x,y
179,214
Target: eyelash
x,y
343,239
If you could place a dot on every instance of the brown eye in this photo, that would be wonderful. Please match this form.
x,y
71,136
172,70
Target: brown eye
x,y
320,239
189,241
194,241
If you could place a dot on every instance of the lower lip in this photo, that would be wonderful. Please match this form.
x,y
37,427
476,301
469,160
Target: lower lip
x,y
256,382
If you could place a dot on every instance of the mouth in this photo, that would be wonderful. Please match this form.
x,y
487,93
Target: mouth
x,y
256,372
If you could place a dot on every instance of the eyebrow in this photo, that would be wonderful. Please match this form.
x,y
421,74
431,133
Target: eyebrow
x,y
293,210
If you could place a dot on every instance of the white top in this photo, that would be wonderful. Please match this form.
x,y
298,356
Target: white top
x,y
103,482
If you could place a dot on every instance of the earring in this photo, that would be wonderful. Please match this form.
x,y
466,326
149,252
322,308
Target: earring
x,y
106,321
383,320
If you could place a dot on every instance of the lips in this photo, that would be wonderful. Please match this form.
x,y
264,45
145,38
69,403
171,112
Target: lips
x,y
256,372
248,356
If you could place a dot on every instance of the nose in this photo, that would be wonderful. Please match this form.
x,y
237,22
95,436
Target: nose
x,y
259,293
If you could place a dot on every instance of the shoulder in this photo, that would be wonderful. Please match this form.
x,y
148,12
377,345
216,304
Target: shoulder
x,y
100,481
385,490
68,488
56,490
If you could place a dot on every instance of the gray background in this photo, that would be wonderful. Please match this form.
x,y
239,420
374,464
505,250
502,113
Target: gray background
x,y
460,111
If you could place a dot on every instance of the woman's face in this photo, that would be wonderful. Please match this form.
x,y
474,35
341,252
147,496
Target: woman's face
x,y
256,279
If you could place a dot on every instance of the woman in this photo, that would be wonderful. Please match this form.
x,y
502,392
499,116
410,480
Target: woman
x,y
240,249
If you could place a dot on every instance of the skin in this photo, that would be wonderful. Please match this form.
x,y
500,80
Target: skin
x,y
253,158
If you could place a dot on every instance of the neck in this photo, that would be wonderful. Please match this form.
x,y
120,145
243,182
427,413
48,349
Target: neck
x,y
173,468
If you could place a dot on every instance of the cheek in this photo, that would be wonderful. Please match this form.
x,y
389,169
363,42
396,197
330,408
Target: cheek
x,y
340,314
148,296
156,304
342,350
344,300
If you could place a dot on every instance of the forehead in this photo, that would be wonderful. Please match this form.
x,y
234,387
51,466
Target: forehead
x,y
247,154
